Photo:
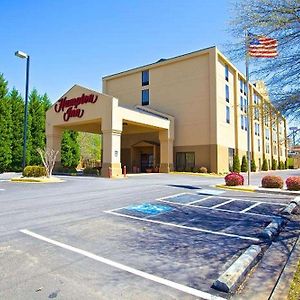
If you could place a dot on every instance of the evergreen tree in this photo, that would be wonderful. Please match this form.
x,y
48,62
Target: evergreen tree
x,y
274,164
253,165
5,127
265,165
236,164
244,166
37,127
17,106
70,153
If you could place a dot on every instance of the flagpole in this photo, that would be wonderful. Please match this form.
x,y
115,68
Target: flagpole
x,y
248,107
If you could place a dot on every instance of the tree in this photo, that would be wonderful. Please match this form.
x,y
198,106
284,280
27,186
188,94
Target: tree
x,y
48,158
17,108
253,165
5,127
37,127
236,167
278,19
265,165
70,154
244,165
274,164
90,146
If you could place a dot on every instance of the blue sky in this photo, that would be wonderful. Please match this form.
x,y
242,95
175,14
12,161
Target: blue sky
x,y
80,41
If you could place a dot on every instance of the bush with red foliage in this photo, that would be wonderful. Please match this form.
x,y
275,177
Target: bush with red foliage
x,y
272,182
233,179
293,183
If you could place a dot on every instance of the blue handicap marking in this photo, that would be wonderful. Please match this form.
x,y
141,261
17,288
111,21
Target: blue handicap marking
x,y
151,209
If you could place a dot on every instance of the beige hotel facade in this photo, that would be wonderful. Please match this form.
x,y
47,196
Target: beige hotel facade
x,y
175,114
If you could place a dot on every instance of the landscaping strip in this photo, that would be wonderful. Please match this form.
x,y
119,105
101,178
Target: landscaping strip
x,y
237,272
37,179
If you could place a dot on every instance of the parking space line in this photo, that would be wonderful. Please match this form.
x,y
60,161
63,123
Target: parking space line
x,y
250,207
160,280
219,209
221,204
200,199
185,227
175,195
248,200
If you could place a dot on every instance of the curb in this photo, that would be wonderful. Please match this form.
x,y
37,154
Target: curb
x,y
281,289
292,205
32,180
272,229
225,187
237,272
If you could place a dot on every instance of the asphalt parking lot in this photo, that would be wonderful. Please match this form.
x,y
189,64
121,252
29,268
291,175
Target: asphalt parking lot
x,y
146,237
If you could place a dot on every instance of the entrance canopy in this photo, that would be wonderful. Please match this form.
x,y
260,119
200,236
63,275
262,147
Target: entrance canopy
x,y
86,110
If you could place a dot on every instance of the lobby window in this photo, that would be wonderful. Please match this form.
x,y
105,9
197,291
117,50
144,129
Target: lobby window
x,y
230,158
227,93
228,114
226,73
145,77
145,97
185,161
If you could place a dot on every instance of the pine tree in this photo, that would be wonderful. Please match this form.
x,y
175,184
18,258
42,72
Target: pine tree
x,y
253,165
17,106
274,164
236,164
5,127
70,154
244,166
265,165
37,126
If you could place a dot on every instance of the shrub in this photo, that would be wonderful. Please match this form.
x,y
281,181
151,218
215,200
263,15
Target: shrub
x,y
281,165
274,164
244,165
91,171
293,183
272,182
202,170
34,171
195,169
253,166
67,170
236,167
233,179
265,165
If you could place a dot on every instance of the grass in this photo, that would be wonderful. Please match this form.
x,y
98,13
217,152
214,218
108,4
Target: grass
x,y
294,293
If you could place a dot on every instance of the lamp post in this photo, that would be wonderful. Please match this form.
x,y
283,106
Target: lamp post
x,y
23,55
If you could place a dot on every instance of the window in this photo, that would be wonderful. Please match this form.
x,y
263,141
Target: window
x,y
245,105
242,103
267,148
145,77
246,123
242,122
145,97
258,145
241,85
267,134
245,88
226,73
227,114
185,161
258,129
227,92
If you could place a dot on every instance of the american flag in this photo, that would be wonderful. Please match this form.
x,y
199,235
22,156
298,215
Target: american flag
x,y
262,46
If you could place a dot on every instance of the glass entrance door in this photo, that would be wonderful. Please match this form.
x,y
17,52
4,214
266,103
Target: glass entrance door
x,y
146,162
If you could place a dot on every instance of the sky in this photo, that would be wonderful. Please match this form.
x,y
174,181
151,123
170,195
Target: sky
x,y
79,42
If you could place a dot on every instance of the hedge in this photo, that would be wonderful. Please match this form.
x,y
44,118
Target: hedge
x,y
293,183
233,179
272,182
34,171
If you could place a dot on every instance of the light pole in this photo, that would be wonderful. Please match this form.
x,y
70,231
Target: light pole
x,y
21,54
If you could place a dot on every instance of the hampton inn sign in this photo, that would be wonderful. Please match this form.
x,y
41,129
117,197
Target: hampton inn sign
x,y
188,105
71,106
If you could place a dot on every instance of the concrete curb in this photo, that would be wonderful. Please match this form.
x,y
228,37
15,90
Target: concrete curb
x,y
37,180
257,190
237,272
281,289
272,229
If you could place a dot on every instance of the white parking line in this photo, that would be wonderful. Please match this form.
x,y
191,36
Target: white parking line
x,y
175,195
223,203
185,227
166,282
199,200
250,207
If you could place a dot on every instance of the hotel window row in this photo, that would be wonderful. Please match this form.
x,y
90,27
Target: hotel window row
x,y
145,97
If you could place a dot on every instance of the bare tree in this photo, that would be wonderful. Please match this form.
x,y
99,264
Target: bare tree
x,y
278,19
48,157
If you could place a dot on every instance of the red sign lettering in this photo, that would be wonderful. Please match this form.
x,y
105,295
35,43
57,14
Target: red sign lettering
x,y
70,106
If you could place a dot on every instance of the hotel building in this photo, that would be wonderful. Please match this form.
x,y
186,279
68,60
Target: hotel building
x,y
175,114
